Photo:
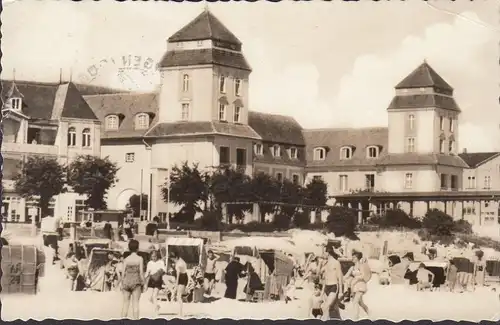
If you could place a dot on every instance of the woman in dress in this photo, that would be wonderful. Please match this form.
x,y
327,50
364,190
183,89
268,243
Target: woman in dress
x,y
181,278
132,280
154,275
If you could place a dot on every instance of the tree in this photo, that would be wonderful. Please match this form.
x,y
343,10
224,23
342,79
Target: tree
x,y
188,188
398,218
41,178
265,188
92,176
302,219
315,194
292,194
438,223
231,185
134,203
342,222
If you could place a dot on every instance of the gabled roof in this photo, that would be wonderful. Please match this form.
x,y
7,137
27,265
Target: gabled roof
x,y
48,101
476,159
276,128
423,101
204,56
422,159
205,26
424,76
127,105
334,139
176,129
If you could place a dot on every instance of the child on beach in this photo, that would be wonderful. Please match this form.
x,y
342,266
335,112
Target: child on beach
x,y
451,277
425,278
316,301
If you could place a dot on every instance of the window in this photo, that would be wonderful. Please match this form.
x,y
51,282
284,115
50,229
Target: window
x,y
276,150
71,137
279,177
293,153
410,145
112,122
370,182
454,182
441,123
224,155
372,152
487,182
471,182
185,83
317,178
86,138
444,181
237,87
319,153
16,103
241,157
451,146
222,112
295,179
259,149
408,180
142,121
180,44
222,84
130,157
185,112
343,183
441,146
346,153
411,121
237,113
452,125
199,43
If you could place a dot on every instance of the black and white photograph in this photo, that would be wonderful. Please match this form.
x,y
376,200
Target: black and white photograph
x,y
250,160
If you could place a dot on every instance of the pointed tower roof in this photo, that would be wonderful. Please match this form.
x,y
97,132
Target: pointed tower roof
x,y
14,91
205,26
424,76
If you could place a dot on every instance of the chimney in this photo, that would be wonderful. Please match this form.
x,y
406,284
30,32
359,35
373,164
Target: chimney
x,y
465,150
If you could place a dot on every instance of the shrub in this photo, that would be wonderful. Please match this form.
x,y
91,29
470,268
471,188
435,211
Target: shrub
x,y
301,219
342,221
281,221
426,235
397,218
210,220
462,226
438,223
253,226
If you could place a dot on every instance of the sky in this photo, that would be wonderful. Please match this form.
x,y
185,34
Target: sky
x,y
327,64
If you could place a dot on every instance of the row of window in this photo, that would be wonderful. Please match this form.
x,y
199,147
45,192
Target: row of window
x,y
186,85
442,123
225,156
442,146
86,138
293,153
453,184
471,182
141,122
346,152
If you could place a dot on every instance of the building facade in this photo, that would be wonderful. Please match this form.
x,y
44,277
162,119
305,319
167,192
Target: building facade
x,y
51,120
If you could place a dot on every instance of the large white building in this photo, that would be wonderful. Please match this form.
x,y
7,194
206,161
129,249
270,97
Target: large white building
x,y
201,114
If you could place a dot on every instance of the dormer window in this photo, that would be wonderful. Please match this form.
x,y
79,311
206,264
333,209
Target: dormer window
x,y
222,84
185,83
319,153
293,153
16,103
259,149
372,152
346,153
112,122
142,121
276,150
237,87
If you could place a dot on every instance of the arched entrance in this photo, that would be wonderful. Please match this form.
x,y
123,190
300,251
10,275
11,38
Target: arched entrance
x,y
123,198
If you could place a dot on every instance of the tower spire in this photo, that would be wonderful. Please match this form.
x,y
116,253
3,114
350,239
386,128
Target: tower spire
x,y
14,74
60,75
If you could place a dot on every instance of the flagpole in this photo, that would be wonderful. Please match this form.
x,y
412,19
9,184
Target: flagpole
x,y
140,195
168,199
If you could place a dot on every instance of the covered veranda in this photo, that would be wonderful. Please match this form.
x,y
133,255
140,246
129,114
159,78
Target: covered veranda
x,y
455,203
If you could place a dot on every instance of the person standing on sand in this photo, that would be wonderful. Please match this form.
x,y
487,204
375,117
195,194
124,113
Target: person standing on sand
x,y
155,270
181,279
333,281
132,280
233,272
210,270
479,269
451,276
361,274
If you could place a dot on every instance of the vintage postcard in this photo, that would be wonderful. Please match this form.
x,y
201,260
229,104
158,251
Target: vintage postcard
x,y
292,160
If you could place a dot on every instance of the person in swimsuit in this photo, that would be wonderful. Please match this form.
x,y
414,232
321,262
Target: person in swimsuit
x,y
132,280
451,276
154,275
479,269
210,270
425,278
316,301
181,278
360,274
332,278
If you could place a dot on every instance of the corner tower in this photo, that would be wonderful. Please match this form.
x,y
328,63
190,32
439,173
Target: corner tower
x,y
423,115
204,74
